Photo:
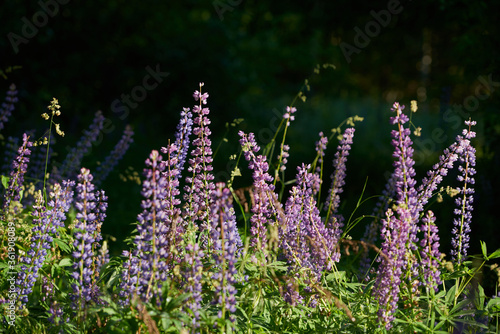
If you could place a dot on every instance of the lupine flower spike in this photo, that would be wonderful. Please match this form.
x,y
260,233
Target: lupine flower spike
x,y
333,220
8,106
461,229
199,185
115,156
91,207
46,221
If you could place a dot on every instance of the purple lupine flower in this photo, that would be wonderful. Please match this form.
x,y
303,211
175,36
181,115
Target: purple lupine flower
x,y
87,237
19,167
264,194
289,114
284,156
292,295
225,235
395,233
56,314
69,167
101,256
46,221
406,194
320,149
436,174
430,255
146,267
306,242
8,106
398,232
200,184
334,220
461,229
182,140
173,221
115,156
193,270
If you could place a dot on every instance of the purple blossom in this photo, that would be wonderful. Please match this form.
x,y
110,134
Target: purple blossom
x,y
19,167
430,255
193,270
306,242
461,229
200,184
71,164
147,265
284,156
289,114
46,221
434,176
8,106
184,129
320,149
91,207
335,221
399,232
226,239
395,233
264,194
115,156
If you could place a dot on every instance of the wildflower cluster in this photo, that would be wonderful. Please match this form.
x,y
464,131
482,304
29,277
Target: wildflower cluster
x,y
193,266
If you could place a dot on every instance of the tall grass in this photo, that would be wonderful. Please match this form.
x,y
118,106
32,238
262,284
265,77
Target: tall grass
x,y
273,257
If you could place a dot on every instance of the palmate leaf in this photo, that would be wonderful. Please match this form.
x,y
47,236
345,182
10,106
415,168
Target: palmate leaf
x,y
64,246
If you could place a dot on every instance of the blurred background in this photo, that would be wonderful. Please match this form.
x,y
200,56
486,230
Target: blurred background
x,y
254,57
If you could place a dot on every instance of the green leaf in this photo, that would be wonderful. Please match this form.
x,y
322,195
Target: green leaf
x,y
494,255
494,305
108,310
450,295
64,246
483,249
5,181
65,262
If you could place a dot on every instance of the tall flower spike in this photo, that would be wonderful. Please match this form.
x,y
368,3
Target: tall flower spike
x,y
146,269
193,270
225,236
264,194
334,220
429,265
116,155
461,229
306,242
90,213
19,167
8,106
184,129
200,184
46,221
69,167
395,233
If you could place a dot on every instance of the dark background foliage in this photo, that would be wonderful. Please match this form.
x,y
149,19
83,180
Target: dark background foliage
x,y
253,57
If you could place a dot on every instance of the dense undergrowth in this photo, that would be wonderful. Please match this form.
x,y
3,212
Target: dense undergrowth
x,y
274,257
